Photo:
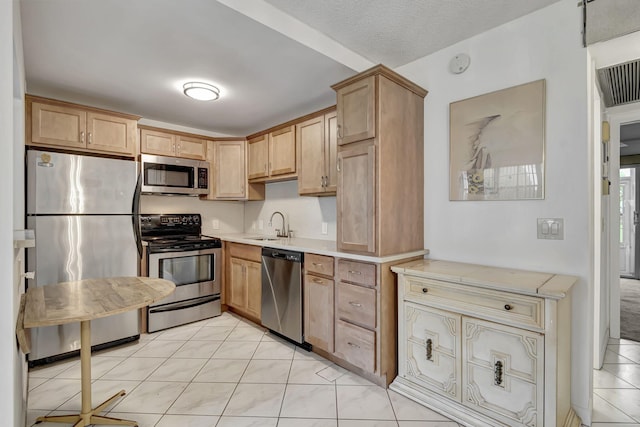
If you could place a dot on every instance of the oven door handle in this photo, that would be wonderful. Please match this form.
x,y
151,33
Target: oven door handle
x,y
183,305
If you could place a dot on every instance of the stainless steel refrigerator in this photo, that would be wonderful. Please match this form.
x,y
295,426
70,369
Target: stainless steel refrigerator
x,y
81,209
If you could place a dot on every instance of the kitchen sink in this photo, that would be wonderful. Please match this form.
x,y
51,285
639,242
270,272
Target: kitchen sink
x,y
264,238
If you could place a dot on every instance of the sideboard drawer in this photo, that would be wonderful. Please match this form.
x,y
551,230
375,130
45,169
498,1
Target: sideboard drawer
x,y
356,345
357,304
510,308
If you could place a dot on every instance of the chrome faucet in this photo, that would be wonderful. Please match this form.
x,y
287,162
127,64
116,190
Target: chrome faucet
x,y
284,231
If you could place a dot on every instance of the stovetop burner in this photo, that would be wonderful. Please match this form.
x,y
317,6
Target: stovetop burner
x,y
179,232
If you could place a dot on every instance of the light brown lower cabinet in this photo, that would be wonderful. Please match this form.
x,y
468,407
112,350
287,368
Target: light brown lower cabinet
x,y
349,314
244,281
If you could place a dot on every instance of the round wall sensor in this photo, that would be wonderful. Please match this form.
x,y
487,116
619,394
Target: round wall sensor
x,y
459,63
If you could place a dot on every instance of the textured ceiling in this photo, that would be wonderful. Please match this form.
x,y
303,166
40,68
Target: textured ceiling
x,y
396,32
274,60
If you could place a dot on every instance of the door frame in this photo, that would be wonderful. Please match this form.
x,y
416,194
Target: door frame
x,y
617,116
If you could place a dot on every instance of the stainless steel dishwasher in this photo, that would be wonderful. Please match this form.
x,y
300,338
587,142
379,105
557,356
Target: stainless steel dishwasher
x,y
282,292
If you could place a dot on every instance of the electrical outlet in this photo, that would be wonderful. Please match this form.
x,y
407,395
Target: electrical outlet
x,y
260,224
253,225
325,227
215,224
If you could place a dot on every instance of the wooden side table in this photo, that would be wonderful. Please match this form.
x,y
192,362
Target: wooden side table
x,y
81,301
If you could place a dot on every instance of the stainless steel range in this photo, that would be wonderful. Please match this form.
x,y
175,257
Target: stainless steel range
x,y
176,250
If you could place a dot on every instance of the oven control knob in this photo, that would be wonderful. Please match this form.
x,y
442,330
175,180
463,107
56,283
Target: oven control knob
x,y
184,219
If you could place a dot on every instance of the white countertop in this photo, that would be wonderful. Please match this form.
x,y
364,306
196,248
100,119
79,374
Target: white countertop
x,y
535,283
316,246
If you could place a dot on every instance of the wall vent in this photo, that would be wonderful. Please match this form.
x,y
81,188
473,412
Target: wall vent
x,y
620,84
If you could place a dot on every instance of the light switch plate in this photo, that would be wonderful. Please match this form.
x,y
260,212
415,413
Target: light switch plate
x,y
325,227
215,224
551,228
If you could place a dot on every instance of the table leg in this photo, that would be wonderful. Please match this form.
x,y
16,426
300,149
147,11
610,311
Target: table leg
x,y
88,416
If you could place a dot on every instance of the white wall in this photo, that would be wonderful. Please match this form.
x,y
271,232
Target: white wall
x,y
543,45
305,215
230,215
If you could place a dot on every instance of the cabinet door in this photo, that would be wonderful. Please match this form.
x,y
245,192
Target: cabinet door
x,y
503,371
331,151
191,148
58,125
238,284
432,345
156,142
282,151
356,208
229,172
258,154
356,111
318,312
311,166
111,134
254,288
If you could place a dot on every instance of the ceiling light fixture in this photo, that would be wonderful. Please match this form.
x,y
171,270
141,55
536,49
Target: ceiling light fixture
x,y
201,91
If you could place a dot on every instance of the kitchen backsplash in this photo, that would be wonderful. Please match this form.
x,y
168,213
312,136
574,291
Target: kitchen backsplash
x,y
305,215
229,215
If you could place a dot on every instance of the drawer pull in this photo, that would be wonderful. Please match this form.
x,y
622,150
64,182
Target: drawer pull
x,y
317,264
429,349
353,345
507,307
355,304
497,371
425,290
317,281
354,272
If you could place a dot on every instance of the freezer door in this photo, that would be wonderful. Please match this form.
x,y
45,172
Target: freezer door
x,y
76,247
59,183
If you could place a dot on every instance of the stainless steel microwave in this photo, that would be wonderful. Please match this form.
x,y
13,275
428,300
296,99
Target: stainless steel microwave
x,y
173,175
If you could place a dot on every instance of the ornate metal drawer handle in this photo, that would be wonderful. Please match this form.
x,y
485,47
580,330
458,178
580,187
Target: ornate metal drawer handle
x,y
353,345
354,272
507,307
425,290
497,372
355,304
429,349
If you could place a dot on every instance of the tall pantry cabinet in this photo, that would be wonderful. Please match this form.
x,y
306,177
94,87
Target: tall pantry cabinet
x,y
380,163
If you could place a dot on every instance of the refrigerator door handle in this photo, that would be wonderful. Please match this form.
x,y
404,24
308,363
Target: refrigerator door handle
x,y
135,217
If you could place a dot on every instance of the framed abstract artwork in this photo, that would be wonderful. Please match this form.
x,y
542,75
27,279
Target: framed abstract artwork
x,y
496,144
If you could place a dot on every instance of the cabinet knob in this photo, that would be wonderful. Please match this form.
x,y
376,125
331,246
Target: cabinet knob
x,y
425,290
507,307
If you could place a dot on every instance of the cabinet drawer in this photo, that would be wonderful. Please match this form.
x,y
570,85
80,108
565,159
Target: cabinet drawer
x,y
357,304
319,264
248,252
503,307
357,272
356,345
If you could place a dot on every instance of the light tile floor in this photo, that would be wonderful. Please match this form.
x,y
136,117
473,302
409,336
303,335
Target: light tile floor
x,y
616,387
224,372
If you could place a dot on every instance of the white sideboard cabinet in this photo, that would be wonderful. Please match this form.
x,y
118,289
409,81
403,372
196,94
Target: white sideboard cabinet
x,y
485,346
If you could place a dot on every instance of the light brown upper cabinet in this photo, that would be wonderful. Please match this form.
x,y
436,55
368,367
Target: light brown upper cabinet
x,y
166,143
316,139
380,164
228,175
272,156
59,124
356,110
